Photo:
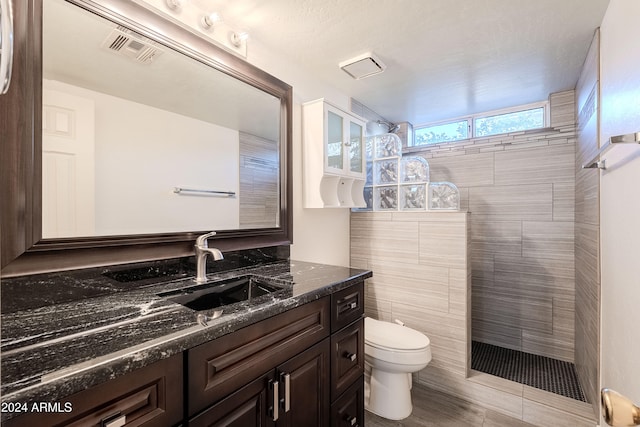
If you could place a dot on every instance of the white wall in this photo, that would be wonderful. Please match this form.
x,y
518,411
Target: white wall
x,y
320,235
620,200
142,153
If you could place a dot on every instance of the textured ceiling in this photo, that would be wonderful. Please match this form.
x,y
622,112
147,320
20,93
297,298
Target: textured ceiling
x,y
445,58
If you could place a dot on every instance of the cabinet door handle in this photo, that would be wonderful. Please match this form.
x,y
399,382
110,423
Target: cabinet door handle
x,y
273,385
351,356
351,420
351,305
287,392
6,45
116,420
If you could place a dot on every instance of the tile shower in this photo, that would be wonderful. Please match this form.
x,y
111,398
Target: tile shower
x,y
520,190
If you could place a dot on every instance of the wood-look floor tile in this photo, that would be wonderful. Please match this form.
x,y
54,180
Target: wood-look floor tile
x,y
432,408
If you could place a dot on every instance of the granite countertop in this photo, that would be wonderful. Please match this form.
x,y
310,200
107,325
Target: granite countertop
x,y
87,328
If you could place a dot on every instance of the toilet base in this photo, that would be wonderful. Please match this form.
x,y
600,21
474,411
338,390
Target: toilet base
x,y
389,394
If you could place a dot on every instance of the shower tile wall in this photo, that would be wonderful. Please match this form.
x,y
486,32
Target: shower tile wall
x,y
587,229
519,189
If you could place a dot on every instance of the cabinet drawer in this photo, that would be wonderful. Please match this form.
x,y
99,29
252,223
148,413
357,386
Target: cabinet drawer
x,y
219,367
348,410
151,396
347,357
347,306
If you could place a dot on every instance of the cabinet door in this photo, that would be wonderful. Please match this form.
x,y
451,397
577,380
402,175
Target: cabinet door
x,y
304,388
334,157
251,406
356,148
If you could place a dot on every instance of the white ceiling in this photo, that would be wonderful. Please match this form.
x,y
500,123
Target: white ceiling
x,y
444,58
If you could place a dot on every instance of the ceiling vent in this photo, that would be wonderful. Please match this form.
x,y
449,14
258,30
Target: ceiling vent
x,y
132,45
362,66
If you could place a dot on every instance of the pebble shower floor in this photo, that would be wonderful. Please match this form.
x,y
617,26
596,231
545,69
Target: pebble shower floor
x,y
536,371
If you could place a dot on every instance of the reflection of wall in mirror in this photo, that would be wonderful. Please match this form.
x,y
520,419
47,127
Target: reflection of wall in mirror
x,y
259,184
142,153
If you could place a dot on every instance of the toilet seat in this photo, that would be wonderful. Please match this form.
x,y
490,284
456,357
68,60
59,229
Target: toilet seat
x,y
393,337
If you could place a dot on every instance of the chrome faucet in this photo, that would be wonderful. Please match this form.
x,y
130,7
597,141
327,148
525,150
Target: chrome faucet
x,y
202,250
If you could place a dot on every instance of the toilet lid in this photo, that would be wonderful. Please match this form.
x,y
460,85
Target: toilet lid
x,y
393,336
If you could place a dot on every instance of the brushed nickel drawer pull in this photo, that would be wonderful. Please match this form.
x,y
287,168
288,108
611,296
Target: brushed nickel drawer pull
x,y
116,420
287,392
351,356
275,390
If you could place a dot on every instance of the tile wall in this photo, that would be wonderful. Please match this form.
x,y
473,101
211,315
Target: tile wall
x,y
587,229
422,276
519,189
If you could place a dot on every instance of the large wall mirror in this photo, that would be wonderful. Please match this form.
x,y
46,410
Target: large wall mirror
x,y
150,135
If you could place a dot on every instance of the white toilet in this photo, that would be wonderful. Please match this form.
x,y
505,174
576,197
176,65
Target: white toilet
x,y
392,352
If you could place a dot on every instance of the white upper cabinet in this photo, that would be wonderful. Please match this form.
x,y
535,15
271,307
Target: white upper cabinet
x,y
343,145
333,152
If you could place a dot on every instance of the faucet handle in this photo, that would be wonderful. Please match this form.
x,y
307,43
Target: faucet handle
x,y
202,240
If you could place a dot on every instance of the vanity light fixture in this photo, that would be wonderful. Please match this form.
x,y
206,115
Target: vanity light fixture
x,y
210,21
174,4
236,38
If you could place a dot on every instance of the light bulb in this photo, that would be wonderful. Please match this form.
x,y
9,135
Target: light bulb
x,y
237,38
210,20
174,4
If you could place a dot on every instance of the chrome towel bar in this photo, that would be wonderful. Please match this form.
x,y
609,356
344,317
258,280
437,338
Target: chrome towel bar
x,y
597,163
180,190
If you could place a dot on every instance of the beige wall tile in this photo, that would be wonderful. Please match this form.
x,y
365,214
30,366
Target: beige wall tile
x,y
469,170
443,244
554,240
384,240
528,314
542,415
572,406
535,166
496,237
564,201
512,202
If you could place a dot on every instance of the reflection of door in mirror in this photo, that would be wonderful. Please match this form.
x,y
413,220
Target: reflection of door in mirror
x,y
67,165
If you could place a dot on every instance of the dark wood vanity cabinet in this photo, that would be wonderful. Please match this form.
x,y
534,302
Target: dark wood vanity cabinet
x,y
303,367
312,360
146,397
293,349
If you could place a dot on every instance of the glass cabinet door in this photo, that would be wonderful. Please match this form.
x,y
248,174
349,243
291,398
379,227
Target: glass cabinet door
x,y
356,142
334,149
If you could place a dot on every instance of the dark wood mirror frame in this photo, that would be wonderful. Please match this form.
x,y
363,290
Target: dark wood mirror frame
x,y
23,251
